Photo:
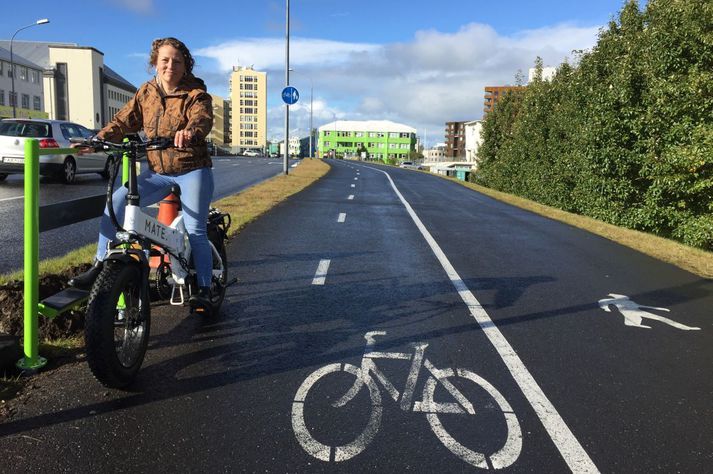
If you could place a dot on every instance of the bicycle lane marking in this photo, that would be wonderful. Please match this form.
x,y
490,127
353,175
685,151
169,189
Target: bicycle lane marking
x,y
567,444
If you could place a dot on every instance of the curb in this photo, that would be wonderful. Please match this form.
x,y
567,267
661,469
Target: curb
x,y
10,352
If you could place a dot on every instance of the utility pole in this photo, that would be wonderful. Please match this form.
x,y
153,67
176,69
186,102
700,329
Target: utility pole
x,y
311,87
285,166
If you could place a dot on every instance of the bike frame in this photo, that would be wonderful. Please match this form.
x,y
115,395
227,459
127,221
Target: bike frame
x,y
368,366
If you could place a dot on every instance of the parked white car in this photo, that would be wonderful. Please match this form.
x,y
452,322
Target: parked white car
x,y
251,153
50,134
410,165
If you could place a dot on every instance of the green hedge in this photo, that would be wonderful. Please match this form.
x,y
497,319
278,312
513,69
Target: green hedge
x,y
626,134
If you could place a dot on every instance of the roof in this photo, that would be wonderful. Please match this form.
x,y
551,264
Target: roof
x,y
113,77
367,126
17,59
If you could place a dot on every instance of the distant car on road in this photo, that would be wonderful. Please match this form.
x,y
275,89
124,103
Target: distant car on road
x,y
251,153
50,134
410,165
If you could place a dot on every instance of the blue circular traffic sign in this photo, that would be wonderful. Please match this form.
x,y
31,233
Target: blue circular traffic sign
x,y
290,95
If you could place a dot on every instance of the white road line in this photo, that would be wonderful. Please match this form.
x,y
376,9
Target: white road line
x,y
342,217
572,452
12,198
356,179
321,275
351,196
353,185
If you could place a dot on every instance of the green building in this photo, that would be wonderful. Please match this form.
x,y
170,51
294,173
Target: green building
x,y
379,140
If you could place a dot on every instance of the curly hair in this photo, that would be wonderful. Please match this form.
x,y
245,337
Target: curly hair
x,y
178,44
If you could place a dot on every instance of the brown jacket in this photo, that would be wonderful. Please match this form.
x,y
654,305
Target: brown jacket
x,y
162,115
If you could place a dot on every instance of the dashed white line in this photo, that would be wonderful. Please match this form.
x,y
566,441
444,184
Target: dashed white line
x,y
351,196
356,179
342,217
321,274
353,185
572,452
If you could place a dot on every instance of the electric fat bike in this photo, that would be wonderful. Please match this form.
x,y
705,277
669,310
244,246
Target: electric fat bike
x,y
118,317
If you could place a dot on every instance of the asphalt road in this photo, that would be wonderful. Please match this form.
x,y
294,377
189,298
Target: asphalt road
x,y
231,175
502,305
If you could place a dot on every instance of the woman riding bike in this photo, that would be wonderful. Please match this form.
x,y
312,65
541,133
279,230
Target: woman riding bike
x,y
173,104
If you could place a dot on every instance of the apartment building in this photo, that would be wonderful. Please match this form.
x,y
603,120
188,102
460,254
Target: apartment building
x,y
248,100
455,140
436,153
380,139
221,122
29,94
76,84
494,93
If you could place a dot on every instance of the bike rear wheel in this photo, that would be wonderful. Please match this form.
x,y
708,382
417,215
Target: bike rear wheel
x,y
117,326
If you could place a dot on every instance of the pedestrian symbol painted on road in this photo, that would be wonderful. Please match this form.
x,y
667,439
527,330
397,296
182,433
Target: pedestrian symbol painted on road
x,y
290,95
634,313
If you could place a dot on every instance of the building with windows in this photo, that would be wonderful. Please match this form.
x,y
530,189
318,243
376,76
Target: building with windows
x,y
473,138
455,140
380,140
76,83
435,154
494,93
248,99
29,94
217,134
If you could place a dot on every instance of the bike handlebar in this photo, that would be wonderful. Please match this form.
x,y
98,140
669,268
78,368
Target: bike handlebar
x,y
160,143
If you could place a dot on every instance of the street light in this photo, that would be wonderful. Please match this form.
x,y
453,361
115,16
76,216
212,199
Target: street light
x,y
12,63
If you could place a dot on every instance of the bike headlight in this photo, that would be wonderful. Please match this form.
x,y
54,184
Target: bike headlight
x,y
123,236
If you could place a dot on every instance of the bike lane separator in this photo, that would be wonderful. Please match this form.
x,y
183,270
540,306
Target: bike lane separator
x,y
567,444
320,275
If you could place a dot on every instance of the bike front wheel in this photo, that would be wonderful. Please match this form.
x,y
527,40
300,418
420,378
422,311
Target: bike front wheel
x,y
345,451
503,457
117,326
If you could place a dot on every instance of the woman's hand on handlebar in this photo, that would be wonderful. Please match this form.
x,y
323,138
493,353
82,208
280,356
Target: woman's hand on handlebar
x,y
183,138
83,146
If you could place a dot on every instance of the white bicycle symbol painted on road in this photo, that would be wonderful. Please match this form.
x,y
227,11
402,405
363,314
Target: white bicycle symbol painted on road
x,y
367,376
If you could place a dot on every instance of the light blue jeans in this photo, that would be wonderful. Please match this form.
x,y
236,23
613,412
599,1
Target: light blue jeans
x,y
196,194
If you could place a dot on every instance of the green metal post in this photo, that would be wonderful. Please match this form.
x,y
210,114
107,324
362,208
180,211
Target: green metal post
x,y
125,166
32,359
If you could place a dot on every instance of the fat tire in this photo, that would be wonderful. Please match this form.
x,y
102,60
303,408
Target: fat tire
x,y
102,356
219,289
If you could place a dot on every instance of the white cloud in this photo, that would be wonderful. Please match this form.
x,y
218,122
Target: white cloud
x,y
269,53
435,78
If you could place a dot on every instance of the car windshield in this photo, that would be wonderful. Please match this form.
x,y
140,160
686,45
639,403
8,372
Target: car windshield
x,y
25,129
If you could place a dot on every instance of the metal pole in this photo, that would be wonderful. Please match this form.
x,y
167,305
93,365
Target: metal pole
x,y
32,359
285,168
311,87
12,63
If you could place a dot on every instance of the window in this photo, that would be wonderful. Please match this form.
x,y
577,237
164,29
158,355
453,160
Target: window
x,y
405,146
372,134
393,135
23,73
359,134
9,71
326,144
35,76
393,145
2,67
13,98
380,134
2,97
404,135
36,103
70,131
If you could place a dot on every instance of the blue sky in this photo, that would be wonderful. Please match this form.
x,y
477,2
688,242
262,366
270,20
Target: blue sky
x,y
416,62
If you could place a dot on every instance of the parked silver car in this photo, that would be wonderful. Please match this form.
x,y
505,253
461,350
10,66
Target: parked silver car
x,y
50,134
